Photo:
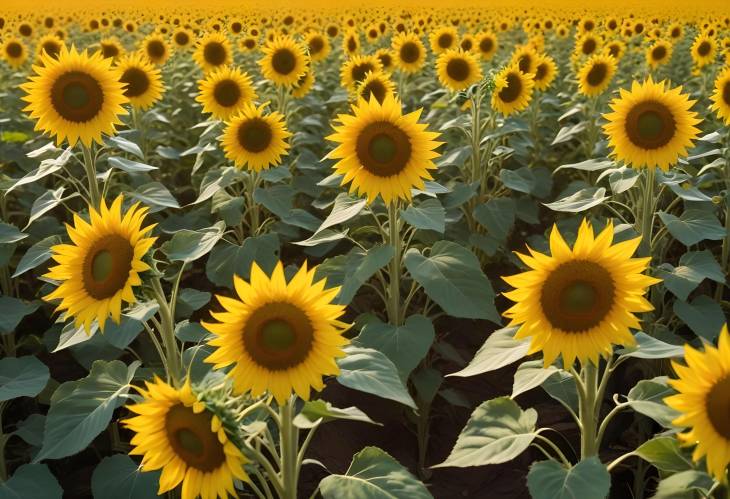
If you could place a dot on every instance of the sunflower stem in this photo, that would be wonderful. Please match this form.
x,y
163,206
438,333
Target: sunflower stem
x,y
90,168
588,412
288,443
647,210
394,311
167,331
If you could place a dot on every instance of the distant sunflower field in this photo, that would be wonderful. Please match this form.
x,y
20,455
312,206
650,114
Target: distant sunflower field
x,y
382,251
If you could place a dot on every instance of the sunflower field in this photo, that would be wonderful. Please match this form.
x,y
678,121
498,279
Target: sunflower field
x,y
349,250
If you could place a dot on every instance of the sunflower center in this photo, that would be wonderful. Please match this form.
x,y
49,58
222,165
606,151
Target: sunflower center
x,y
597,74
385,60
577,296
525,63
445,40
136,80
486,44
14,50
540,72
376,89
458,69
332,31
513,90
351,44
156,49
109,50
589,46
214,53
51,48
191,437
359,71
650,125
718,406
659,53
236,27
383,149
467,45
106,266
249,43
227,93
283,61
255,135
409,52
675,33
726,93
278,335
25,30
316,45
182,38
77,96
613,50
704,48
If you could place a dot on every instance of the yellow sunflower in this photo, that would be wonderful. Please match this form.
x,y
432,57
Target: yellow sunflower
x,y
721,96
183,38
50,44
175,431
675,31
213,51
280,336
248,43
512,90
385,56
525,58
318,45
254,140
304,84
443,39
545,72
596,74
704,401
587,45
225,91
410,54
650,125
457,69
111,48
487,45
376,84
704,50
143,80
615,48
468,43
75,96
156,48
14,52
579,302
659,53
351,43
354,70
97,272
383,152
284,61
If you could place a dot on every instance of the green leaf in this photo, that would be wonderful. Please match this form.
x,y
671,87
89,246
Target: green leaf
x,y
529,375
452,277
647,398
10,234
118,477
129,166
428,215
693,226
520,180
501,349
322,237
373,474
589,165
370,371
665,454
126,146
704,316
550,480
37,254
648,347
561,386
228,260
214,181
47,167
684,485
704,264
22,377
314,410
497,431
189,245
190,300
405,345
12,311
72,335
31,429
345,208
353,270
582,200
46,202
31,481
80,410
155,195
498,217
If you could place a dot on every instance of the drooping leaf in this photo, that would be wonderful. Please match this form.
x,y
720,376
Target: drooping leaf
x,y
31,481
550,480
500,349
118,477
22,377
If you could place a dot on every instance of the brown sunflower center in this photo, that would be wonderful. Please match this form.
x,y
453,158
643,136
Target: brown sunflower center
x,y
236,27
106,266
525,63
373,33
718,406
589,46
359,71
374,88
332,31
445,40
214,53
409,52
182,38
250,43
458,69
51,48
577,296
278,336
109,50
613,50
726,93
675,33
659,53
77,96
704,48
316,45
351,44
255,135
191,437
283,61
385,60
541,71
486,44
612,25
597,74
650,125
156,49
227,93
383,149
14,50
513,90
467,44
25,30
137,82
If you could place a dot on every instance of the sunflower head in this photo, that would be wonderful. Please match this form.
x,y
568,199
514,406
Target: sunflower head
x,y
318,46
351,43
704,401
443,39
704,50
182,38
377,85
578,302
304,84
156,48
382,151
213,51
487,45
143,81
659,53
545,72
651,125
596,74
354,70
280,336
721,96
224,92
457,69
512,90
111,48
255,140
385,56
284,61
410,54
525,58
14,52
50,44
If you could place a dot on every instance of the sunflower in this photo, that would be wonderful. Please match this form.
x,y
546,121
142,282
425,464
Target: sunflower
x,y
143,80
443,39
354,70
175,431
14,52
457,69
675,32
225,91
650,125
156,49
468,43
586,45
376,84
512,90
254,140
284,61
721,96
351,43
704,401
102,265
410,54
659,53
50,44
487,45
385,56
75,96
111,48
318,45
545,72
579,302
615,48
525,58
182,38
704,50
248,43
382,151
304,84
280,336
213,51
596,74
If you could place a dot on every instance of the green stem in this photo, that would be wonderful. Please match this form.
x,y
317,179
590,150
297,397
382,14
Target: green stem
x,y
647,209
167,331
725,256
588,412
90,168
288,443
394,311
3,439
